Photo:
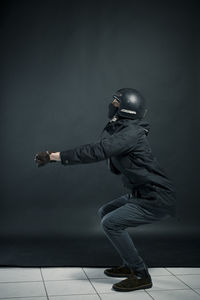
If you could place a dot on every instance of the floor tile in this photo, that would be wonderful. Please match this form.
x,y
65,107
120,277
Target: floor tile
x,y
179,270
68,287
71,283
192,280
74,297
63,273
174,295
105,285
167,283
158,271
20,274
21,289
133,295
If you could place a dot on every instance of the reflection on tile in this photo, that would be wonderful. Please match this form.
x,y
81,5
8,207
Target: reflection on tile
x,y
63,273
174,295
22,289
75,297
68,287
179,270
105,285
192,280
96,273
20,274
167,283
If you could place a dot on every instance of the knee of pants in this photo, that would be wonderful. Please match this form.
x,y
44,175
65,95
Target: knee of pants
x,y
106,223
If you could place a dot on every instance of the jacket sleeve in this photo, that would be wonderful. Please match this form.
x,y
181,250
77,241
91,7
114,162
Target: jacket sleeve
x,y
115,144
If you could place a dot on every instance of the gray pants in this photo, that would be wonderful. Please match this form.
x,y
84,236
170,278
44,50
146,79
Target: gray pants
x,y
116,216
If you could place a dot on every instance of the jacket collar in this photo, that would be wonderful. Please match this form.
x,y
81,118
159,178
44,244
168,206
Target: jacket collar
x,y
141,122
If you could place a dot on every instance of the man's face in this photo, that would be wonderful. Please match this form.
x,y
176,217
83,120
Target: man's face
x,y
115,102
113,108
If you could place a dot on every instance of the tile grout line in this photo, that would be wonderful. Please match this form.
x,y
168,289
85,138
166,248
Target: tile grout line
x,y
149,294
44,284
91,283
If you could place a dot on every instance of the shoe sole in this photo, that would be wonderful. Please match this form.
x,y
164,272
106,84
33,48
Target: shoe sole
x,y
116,275
121,289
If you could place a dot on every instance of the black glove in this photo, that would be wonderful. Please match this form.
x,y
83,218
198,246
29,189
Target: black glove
x,y
43,157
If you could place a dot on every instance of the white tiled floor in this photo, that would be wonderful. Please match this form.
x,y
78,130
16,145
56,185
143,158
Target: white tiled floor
x,y
92,284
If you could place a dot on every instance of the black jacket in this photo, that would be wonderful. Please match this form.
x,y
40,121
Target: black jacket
x,y
125,147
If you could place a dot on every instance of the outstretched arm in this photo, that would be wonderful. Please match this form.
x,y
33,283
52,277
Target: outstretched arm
x,y
115,144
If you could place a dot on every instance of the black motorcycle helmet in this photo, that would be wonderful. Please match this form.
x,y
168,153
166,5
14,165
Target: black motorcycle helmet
x,y
132,104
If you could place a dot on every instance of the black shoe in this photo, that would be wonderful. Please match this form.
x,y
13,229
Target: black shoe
x,y
133,283
122,271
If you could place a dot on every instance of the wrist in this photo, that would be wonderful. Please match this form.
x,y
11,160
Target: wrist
x,y
55,156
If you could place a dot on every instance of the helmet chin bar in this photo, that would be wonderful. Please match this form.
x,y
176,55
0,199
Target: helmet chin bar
x,y
131,114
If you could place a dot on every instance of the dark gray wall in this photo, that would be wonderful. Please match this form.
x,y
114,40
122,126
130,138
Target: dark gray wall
x,y
61,63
